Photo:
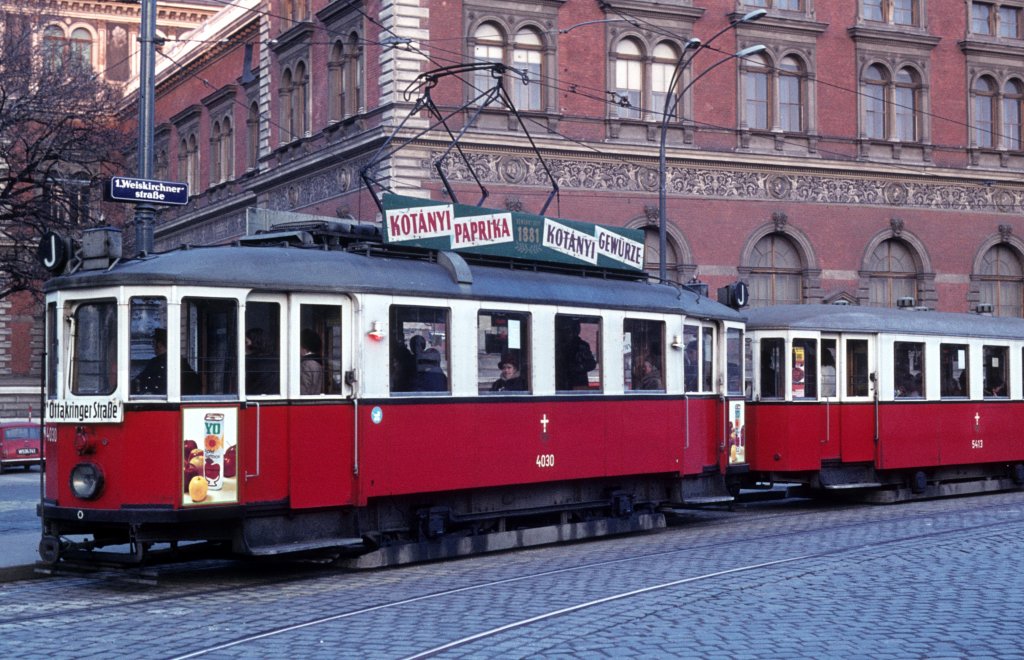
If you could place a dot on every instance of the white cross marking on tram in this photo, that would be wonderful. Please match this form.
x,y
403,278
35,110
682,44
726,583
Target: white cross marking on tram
x,y
977,418
544,422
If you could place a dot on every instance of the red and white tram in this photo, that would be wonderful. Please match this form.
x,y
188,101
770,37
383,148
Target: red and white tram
x,y
911,403
337,392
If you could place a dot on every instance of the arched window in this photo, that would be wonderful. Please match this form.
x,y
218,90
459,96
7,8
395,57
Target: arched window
x,y
756,76
629,78
489,48
300,100
527,55
352,80
873,88
53,47
893,274
81,47
335,82
1002,281
227,150
791,94
252,133
983,94
775,272
666,57
1013,93
907,106
288,127
652,252
215,154
188,162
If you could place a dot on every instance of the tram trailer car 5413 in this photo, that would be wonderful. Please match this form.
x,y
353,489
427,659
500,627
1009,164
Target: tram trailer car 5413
x,y
905,403
341,398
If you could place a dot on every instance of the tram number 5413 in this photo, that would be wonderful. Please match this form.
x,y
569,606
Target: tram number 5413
x,y
545,460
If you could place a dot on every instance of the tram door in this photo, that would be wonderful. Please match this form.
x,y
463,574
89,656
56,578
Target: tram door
x,y
829,397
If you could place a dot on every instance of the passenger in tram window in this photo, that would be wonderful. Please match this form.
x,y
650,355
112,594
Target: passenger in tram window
x,y
403,367
153,377
312,380
261,371
417,344
575,359
650,375
998,388
429,375
511,380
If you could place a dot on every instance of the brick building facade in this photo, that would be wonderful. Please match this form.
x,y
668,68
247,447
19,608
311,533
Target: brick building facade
x,y
869,153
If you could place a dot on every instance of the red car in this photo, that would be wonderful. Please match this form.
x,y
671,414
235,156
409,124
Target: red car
x,y
19,444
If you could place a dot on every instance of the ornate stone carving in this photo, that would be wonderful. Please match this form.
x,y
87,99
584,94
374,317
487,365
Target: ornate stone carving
x,y
896,224
1005,232
513,204
617,176
652,214
779,219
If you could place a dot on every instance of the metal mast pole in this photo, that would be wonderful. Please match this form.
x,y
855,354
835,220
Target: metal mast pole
x,y
145,212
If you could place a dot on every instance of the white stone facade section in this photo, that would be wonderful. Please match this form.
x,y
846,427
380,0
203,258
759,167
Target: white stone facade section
x,y
399,67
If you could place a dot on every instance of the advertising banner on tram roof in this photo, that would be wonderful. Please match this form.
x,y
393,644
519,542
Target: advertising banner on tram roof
x,y
460,228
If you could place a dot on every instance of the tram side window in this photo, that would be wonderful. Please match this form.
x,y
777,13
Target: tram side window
x,y
577,353
773,365
503,355
953,371
734,361
209,347
708,360
320,349
857,375
995,373
691,362
828,368
644,360
908,369
419,349
262,348
147,345
805,368
52,351
94,363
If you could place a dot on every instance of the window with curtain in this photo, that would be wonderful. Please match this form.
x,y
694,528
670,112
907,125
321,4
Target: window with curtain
x,y
983,94
776,272
490,48
663,67
893,274
907,86
1002,281
1013,93
791,96
756,71
873,86
629,78
527,54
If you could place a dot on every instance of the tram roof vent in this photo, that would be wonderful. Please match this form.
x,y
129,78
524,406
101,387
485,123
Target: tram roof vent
x,y
100,248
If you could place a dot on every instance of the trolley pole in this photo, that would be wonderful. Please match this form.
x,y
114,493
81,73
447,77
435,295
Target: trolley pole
x,y
144,212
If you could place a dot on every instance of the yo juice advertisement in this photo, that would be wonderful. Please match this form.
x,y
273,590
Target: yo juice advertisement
x,y
210,452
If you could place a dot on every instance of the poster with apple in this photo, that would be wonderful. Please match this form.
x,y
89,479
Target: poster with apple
x,y
210,450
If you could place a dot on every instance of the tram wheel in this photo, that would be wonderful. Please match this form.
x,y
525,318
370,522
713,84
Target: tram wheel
x,y
49,549
919,482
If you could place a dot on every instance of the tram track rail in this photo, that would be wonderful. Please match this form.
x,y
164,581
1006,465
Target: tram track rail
x,y
178,589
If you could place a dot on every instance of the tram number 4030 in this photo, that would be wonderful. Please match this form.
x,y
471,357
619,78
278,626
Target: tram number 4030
x,y
545,460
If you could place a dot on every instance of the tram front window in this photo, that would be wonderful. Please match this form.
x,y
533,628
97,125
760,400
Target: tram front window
x,y
94,363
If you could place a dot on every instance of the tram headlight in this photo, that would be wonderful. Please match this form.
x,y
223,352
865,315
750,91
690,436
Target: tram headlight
x,y
86,481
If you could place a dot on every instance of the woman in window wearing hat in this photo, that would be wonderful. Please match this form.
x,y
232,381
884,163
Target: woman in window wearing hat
x,y
511,380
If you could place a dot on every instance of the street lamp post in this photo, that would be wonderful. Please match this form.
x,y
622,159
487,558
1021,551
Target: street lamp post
x,y
672,101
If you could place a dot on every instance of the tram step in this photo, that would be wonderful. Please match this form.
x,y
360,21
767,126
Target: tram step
x,y
306,546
